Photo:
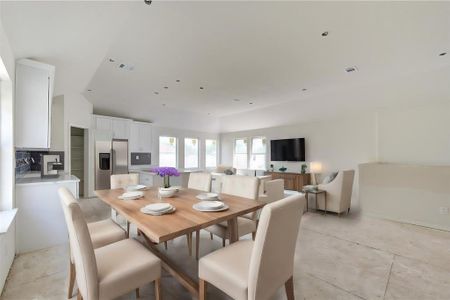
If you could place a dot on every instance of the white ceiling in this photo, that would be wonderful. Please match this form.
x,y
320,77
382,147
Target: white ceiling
x,y
259,52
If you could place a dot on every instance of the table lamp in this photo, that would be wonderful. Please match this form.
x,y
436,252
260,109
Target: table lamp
x,y
315,168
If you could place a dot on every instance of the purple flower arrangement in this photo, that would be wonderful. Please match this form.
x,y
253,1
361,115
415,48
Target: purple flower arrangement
x,y
166,172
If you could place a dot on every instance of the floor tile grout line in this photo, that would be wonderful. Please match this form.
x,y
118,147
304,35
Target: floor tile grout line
x,y
334,285
389,277
379,249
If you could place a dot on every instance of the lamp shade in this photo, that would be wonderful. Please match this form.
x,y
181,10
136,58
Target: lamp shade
x,y
315,167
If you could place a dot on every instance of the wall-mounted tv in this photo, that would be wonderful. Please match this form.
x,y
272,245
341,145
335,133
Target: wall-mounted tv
x,y
287,150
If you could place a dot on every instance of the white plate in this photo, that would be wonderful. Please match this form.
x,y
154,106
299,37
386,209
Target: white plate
x,y
210,204
158,207
201,208
131,195
153,213
137,187
208,196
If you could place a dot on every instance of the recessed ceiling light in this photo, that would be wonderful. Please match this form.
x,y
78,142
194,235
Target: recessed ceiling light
x,y
304,90
111,60
250,103
148,2
89,90
166,87
202,88
351,69
443,53
163,104
178,80
126,67
325,33
156,93
236,100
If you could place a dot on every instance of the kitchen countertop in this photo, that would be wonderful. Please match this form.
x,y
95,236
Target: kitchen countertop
x,y
147,170
39,180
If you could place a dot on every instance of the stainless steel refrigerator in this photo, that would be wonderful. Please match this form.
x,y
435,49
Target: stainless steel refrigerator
x,y
111,157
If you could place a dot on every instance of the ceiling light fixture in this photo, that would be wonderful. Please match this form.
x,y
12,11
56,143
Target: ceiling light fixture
x,y
156,93
236,100
202,88
148,2
111,60
89,90
325,33
351,69
163,104
250,103
178,80
443,53
166,87
304,90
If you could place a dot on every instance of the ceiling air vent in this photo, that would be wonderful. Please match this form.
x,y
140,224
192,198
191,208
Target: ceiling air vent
x,y
351,69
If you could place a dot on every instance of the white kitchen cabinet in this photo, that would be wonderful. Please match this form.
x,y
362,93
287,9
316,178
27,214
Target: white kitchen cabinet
x,y
103,123
40,219
33,101
141,137
121,128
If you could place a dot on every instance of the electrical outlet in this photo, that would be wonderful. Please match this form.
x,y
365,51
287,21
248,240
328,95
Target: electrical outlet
x,y
443,210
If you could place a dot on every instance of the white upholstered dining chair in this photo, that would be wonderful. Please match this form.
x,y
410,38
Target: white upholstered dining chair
x,y
109,271
200,181
241,186
254,270
121,181
102,233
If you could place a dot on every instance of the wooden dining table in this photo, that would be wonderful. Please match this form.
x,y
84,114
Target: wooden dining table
x,y
184,220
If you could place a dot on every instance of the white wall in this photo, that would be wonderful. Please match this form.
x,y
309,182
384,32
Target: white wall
x,y
416,135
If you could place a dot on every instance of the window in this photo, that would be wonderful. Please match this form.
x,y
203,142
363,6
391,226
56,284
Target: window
x,y
210,153
258,156
240,154
190,153
167,151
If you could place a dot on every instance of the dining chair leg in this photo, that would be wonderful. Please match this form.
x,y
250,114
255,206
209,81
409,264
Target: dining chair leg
x,y
223,242
253,235
79,297
128,229
158,289
202,290
165,245
197,243
211,235
71,279
189,243
137,293
289,287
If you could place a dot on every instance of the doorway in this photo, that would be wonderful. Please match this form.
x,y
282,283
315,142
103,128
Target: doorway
x,y
77,156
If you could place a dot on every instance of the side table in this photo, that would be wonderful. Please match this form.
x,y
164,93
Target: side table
x,y
315,192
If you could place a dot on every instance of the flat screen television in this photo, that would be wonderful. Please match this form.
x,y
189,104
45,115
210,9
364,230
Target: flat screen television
x,y
287,150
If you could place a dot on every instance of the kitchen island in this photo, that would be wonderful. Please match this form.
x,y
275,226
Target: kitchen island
x,y
40,219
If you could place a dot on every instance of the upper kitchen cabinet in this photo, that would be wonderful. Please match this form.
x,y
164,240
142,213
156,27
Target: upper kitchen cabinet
x,y
141,137
33,104
119,127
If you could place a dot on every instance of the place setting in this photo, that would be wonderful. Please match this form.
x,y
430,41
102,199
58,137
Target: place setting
x,y
158,209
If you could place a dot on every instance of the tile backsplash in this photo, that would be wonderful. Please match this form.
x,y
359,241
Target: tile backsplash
x,y
28,161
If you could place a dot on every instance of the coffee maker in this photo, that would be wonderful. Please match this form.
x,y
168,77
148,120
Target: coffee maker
x,y
50,165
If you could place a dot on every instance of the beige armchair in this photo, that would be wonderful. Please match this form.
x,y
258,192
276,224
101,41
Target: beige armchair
x,y
339,192
255,270
262,183
242,186
102,233
109,271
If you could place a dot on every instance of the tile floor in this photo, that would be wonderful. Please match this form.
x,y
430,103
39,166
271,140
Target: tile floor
x,y
350,257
